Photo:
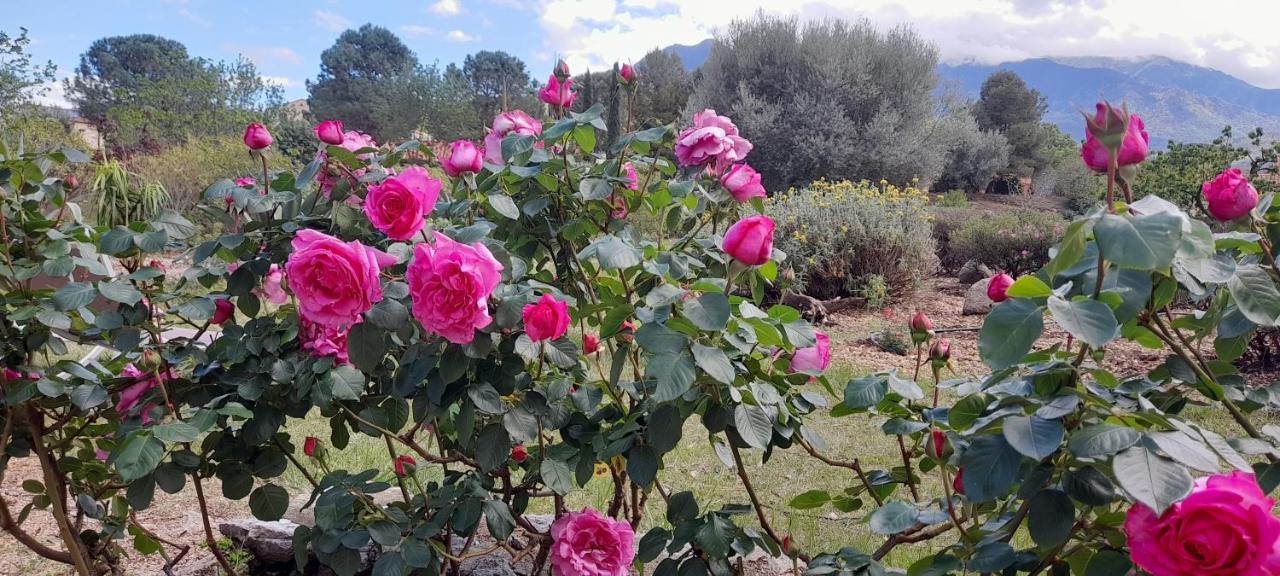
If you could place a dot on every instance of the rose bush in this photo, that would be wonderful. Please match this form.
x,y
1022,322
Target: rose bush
x,y
458,348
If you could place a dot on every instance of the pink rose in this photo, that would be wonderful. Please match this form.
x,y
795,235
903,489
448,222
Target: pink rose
x,y
322,340
353,141
633,180
143,383
463,157
450,283
1229,195
1224,528
256,136
590,343
557,94
750,240
588,543
513,122
329,132
1132,151
272,289
743,182
813,359
627,74
245,182
998,288
223,310
547,319
712,139
335,281
398,205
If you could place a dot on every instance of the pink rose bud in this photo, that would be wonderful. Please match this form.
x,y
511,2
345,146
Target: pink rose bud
x,y
813,359
627,330
743,182
330,132
547,319
464,157
938,440
1229,195
309,446
558,93
256,136
519,453
590,343
998,288
562,70
590,543
750,240
223,310
244,182
1107,129
940,351
70,181
633,180
786,544
627,74
404,465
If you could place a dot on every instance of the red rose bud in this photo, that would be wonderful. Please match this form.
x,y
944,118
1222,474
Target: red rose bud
x,y
329,132
590,344
70,181
256,136
958,483
939,439
562,70
223,310
921,328
627,330
519,453
786,544
998,288
404,465
627,74
309,446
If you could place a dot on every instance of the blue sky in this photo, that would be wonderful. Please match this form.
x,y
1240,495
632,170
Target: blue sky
x,y
285,38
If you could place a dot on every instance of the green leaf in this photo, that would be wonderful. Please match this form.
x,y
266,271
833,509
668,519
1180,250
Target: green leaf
x,y
138,455
665,428
990,468
967,410
120,291
754,425
715,537
1109,563
810,499
1141,243
1032,436
366,345
1151,479
642,464
493,447
1102,440
497,517
269,502
1029,287
74,295
1009,332
1070,249
504,205
557,475
709,311
865,391
991,557
714,362
345,382
674,374
1090,321
1089,486
681,508
1186,450
1050,517
612,252
594,189
1253,291
656,338
894,517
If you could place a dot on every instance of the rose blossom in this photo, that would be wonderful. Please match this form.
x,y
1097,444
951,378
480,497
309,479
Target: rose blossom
x,y
504,124
335,281
743,182
463,157
590,343
246,182
352,141
309,445
588,543
223,310
450,283
750,240
1132,151
713,139
329,132
272,289
1224,528
398,205
143,382
1229,195
519,453
998,288
813,359
633,180
256,136
557,94
547,319
627,74
322,340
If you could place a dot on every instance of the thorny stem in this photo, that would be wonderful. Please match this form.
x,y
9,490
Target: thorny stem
x,y
751,493
209,539
296,464
906,464
855,465
53,484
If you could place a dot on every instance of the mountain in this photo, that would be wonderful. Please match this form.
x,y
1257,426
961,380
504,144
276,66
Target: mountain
x,y
1178,101
692,56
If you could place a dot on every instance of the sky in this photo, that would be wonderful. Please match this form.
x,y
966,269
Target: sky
x,y
285,38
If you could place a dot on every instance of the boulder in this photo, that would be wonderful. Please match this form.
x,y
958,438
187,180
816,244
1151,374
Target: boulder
x,y
976,300
270,543
973,271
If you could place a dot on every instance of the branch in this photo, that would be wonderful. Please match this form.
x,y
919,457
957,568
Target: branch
x,y
855,465
751,493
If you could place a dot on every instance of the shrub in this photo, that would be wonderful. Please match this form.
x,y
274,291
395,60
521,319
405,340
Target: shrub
x,y
946,220
186,169
838,236
953,199
1016,241
1079,187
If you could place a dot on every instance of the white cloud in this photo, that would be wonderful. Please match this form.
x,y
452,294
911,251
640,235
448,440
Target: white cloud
x,y
417,31
51,93
281,81
599,32
460,36
266,55
331,21
447,7
193,18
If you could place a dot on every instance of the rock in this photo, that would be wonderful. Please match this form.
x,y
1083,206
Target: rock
x,y
270,543
976,300
973,271
497,564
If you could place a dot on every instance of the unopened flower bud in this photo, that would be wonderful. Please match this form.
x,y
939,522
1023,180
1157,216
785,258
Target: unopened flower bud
x,y
151,360
940,352
1108,126
938,443
921,328
70,181
562,70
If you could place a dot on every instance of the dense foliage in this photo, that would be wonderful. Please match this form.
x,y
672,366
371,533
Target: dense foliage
x,y
1016,241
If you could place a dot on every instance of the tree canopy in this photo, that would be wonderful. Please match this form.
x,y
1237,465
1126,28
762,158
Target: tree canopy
x,y
1007,105
362,76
